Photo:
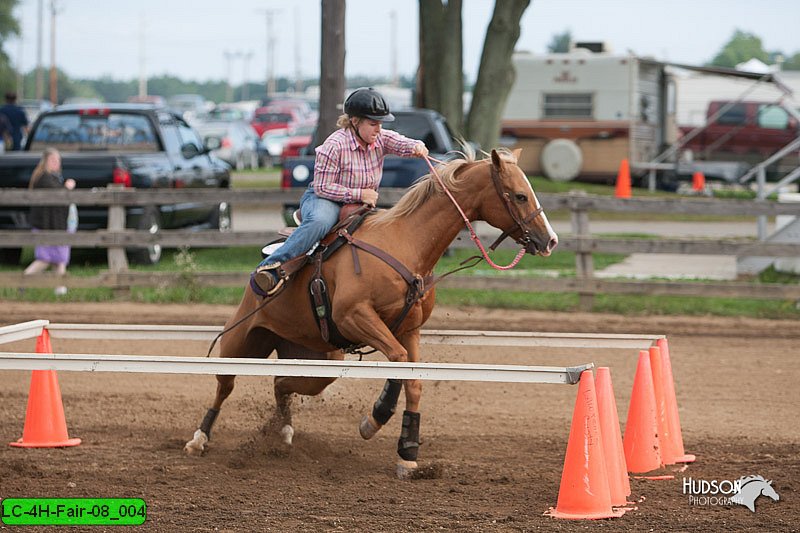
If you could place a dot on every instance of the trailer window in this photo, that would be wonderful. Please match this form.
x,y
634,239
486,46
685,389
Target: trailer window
x,y
568,106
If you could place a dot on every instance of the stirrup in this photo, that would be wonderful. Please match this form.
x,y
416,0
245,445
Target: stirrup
x,y
264,283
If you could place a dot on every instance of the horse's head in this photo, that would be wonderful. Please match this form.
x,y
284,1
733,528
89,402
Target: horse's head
x,y
510,204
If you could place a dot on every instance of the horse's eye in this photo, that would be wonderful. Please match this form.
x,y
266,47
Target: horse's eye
x,y
521,197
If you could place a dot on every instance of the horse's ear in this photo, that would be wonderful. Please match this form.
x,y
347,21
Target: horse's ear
x,y
497,161
516,153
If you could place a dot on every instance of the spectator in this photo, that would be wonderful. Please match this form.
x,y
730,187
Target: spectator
x,y
47,175
17,119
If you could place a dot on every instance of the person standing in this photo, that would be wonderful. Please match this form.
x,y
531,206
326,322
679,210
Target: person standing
x,y
47,175
347,169
17,119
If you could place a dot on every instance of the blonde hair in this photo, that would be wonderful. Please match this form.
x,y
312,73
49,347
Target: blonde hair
x,y
344,121
40,170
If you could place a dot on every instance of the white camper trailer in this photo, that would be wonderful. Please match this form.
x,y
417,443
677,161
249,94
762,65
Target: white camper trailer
x,y
580,113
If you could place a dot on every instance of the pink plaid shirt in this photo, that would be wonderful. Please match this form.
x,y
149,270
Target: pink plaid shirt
x,y
342,167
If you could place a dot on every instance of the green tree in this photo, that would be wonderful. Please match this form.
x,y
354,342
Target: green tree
x,y
741,47
9,27
560,42
792,63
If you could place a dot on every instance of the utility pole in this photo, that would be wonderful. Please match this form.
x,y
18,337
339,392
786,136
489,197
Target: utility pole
x,y
53,72
393,21
270,50
39,38
229,57
142,72
245,87
298,76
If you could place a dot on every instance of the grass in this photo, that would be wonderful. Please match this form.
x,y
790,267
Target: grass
x,y
561,264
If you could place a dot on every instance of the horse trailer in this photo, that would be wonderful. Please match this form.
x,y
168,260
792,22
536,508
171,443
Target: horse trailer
x,y
580,113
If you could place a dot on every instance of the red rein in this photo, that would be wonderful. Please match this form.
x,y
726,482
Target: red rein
x,y
472,234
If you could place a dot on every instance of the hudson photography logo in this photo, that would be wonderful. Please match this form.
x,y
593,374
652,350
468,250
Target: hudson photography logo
x,y
743,491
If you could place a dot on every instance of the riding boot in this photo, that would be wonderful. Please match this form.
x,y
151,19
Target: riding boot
x,y
268,279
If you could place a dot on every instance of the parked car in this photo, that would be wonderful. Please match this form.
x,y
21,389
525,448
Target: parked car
x,y
153,99
273,118
134,145
188,106
232,141
747,133
33,108
298,140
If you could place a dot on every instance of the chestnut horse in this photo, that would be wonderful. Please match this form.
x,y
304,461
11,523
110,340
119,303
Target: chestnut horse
x,y
416,232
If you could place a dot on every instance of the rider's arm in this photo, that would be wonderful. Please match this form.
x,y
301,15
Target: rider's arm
x,y
397,144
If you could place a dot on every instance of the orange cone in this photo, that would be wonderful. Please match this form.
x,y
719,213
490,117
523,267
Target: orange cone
x,y
673,419
584,491
698,181
642,449
45,426
623,188
668,453
618,483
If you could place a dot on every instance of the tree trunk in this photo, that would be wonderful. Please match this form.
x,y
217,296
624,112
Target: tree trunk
x,y
496,74
331,80
440,77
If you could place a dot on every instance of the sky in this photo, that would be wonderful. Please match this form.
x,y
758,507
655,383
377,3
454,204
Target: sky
x,y
190,38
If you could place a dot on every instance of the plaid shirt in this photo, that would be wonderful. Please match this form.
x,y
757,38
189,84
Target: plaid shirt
x,y
342,167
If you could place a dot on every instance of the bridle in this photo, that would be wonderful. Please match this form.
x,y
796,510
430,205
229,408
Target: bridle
x,y
521,223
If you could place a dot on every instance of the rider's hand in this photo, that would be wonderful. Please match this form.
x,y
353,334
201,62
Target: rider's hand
x,y
69,183
420,150
369,197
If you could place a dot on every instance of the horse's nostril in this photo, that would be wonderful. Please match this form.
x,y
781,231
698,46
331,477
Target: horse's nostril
x,y
553,243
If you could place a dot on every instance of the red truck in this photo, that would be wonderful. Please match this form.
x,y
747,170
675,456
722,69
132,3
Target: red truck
x,y
747,132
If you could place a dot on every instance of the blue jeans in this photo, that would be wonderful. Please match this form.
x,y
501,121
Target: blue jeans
x,y
319,217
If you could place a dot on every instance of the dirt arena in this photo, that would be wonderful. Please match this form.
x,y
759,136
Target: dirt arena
x,y
492,453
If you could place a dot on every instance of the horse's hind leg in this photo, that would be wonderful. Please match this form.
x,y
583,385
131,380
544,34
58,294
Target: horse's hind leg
x,y
286,386
258,342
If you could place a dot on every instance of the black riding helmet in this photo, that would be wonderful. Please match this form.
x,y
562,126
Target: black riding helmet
x,y
368,103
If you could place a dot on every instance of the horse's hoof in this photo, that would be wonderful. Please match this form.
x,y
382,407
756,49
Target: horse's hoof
x,y
197,445
287,433
405,468
368,427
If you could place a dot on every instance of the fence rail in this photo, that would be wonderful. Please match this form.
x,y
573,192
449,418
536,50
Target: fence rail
x,y
116,239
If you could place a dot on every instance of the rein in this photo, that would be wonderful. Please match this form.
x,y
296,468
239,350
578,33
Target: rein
x,y
474,236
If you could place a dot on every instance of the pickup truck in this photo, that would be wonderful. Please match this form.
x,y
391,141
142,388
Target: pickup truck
x,y
747,133
425,125
135,145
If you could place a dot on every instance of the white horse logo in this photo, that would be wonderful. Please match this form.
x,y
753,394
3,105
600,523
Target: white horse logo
x,y
751,487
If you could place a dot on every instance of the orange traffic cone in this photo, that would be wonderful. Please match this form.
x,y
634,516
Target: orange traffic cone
x,y
584,491
618,483
698,181
673,419
668,453
642,449
623,188
45,426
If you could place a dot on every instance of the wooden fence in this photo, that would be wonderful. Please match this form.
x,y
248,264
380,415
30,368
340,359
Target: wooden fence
x,y
116,239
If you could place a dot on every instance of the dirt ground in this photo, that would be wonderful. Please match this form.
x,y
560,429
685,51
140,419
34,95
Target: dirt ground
x,y
493,453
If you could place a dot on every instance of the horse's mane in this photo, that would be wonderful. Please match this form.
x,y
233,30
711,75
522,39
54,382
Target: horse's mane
x,y
748,479
452,174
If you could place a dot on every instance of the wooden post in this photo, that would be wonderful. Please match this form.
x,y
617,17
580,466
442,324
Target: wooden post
x,y
117,260
584,263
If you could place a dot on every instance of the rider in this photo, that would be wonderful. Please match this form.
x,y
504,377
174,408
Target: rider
x,y
347,169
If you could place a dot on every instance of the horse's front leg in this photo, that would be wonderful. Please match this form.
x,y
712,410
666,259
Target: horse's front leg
x,y
363,325
408,443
